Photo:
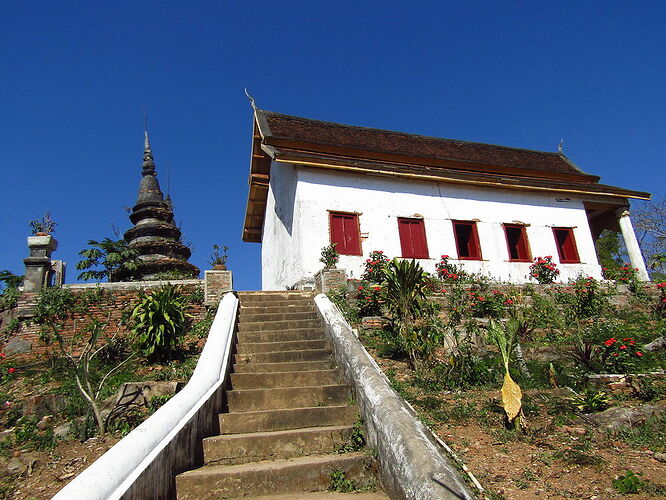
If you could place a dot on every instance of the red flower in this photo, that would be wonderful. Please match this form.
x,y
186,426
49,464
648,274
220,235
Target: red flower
x,y
623,347
508,301
11,370
639,354
376,288
610,342
360,288
2,355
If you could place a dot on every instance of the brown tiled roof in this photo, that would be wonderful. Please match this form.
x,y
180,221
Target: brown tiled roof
x,y
292,128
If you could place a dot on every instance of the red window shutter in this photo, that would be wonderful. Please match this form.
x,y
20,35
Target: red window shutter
x,y
467,240
566,245
516,240
413,238
344,232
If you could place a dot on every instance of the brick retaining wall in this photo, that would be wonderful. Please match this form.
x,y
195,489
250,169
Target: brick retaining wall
x,y
25,346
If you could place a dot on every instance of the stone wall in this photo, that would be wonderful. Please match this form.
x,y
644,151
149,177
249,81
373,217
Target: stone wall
x,y
25,346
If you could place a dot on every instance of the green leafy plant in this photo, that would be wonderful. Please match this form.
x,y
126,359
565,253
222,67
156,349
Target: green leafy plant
x,y
329,256
159,321
374,267
107,259
590,400
544,270
10,291
44,225
506,338
628,484
217,259
405,291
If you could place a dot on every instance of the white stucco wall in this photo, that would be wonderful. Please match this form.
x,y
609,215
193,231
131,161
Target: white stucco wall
x,y
296,223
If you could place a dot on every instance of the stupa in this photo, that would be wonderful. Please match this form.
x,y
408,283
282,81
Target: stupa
x,y
155,236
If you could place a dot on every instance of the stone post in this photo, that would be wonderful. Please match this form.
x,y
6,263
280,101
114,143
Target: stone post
x,y
329,279
216,284
38,264
630,241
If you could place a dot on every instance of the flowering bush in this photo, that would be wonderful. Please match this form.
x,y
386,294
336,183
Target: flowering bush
x,y
661,301
329,256
620,356
447,271
489,305
626,275
544,270
374,267
585,297
369,300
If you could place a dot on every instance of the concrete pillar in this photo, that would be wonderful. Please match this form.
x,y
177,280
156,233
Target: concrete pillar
x,y
630,241
330,279
38,264
216,284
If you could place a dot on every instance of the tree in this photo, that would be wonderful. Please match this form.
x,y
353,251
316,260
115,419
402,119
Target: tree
x,y
116,259
610,249
54,305
650,222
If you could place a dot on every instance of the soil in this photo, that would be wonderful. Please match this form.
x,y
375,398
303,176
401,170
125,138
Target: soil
x,y
560,455
49,472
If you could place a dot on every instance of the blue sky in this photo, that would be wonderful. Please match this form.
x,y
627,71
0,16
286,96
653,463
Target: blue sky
x,y
75,76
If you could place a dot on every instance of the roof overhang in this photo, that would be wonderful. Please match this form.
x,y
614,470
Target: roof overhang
x,y
267,149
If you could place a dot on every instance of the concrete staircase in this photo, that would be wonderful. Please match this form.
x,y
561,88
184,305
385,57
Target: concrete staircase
x,y
289,412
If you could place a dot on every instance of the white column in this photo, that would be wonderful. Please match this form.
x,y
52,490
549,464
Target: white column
x,y
630,241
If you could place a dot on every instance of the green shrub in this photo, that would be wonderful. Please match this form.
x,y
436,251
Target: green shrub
x,y
159,322
628,484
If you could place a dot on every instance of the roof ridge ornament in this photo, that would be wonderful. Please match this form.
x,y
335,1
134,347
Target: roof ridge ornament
x,y
560,146
251,99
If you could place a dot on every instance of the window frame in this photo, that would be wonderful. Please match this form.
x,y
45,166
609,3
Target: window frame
x,y
526,241
474,239
560,248
421,223
338,248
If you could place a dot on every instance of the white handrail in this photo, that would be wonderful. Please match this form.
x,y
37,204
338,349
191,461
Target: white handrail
x,y
115,472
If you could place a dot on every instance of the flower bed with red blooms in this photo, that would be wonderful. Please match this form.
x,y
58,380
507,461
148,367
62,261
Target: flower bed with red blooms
x,y
620,356
374,267
544,270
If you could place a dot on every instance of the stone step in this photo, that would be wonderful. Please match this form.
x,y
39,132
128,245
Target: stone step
x,y
255,446
279,315
288,418
270,308
293,475
289,345
308,378
255,298
279,325
319,495
280,357
279,335
288,397
287,366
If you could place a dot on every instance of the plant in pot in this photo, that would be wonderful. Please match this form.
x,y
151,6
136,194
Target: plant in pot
x,y
43,226
217,260
329,256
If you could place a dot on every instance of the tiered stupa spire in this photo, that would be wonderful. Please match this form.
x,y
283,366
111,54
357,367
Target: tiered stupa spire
x,y
154,235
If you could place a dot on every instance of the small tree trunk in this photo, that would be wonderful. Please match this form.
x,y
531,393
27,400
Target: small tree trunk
x,y
522,366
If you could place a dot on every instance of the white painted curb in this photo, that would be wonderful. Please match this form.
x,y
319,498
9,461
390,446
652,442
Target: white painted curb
x,y
115,472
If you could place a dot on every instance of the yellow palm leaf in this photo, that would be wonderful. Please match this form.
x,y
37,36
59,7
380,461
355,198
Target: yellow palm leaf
x,y
511,397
